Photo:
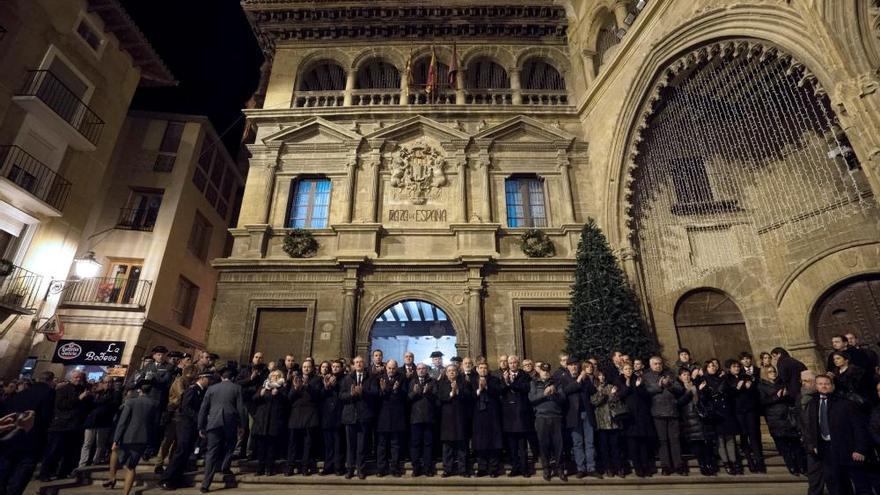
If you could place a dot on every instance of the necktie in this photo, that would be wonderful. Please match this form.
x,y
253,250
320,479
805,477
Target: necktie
x,y
824,429
359,379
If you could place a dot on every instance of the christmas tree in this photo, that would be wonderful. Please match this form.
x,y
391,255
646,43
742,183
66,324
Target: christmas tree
x,y
604,315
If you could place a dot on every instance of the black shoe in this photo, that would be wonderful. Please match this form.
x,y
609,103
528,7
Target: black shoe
x,y
513,472
109,484
204,490
594,474
446,474
397,474
362,475
349,475
481,474
546,475
227,472
683,471
381,474
416,472
288,471
561,474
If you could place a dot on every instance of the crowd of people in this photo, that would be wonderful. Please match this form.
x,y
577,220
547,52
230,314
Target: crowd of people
x,y
583,418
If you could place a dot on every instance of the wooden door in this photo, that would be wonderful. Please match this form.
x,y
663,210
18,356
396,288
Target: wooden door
x,y
853,307
710,325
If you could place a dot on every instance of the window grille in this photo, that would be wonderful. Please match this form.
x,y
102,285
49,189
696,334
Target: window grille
x,y
538,74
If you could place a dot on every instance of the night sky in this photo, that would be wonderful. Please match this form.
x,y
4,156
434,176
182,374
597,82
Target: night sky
x,y
212,52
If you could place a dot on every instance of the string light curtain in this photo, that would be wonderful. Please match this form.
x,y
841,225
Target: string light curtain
x,y
323,76
538,74
740,149
378,74
486,74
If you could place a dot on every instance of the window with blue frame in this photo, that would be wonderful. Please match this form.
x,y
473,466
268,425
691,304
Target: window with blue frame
x,y
310,207
525,202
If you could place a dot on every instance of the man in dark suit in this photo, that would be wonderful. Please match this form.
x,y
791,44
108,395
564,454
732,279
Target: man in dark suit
x,y
516,416
392,419
18,459
835,431
250,379
187,430
220,420
789,370
422,396
357,393
66,432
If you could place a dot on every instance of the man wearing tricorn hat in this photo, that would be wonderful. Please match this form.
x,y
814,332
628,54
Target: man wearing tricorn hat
x,y
161,374
436,370
186,423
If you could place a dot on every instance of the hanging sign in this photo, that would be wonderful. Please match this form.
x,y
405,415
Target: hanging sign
x,y
94,352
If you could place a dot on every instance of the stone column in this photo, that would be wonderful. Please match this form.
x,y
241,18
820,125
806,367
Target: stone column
x,y
348,212
482,206
563,164
349,87
349,312
404,90
461,167
459,88
515,86
474,293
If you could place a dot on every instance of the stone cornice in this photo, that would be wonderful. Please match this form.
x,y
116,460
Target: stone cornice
x,y
395,112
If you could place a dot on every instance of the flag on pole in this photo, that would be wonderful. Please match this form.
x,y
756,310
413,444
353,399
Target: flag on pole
x,y
453,67
407,72
431,83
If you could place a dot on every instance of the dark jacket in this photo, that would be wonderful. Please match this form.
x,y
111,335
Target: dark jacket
x,y
745,398
331,405
487,433
778,410
663,397
191,403
848,428
789,370
251,383
70,411
454,410
304,403
358,408
222,407
137,421
392,403
516,414
693,428
853,382
423,400
104,408
723,408
874,426
639,422
546,406
40,398
270,412
578,403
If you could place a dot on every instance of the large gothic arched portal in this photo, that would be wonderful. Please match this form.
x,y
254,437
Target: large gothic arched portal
x,y
852,306
416,326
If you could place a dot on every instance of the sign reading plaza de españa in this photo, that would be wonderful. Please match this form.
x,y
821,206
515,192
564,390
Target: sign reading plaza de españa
x,y
88,352
417,186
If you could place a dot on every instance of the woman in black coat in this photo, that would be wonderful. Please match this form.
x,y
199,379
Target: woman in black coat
x,y
454,395
270,417
638,425
487,434
331,420
305,399
723,415
696,431
850,382
778,405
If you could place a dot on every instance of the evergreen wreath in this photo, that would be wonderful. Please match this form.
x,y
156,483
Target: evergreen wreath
x,y
536,244
300,243
6,267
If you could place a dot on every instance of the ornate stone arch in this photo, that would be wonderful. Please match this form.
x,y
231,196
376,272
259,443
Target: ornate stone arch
x,y
390,54
553,56
504,57
335,54
369,315
768,28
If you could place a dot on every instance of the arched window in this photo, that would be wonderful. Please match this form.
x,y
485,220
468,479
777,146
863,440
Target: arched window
x,y
538,74
738,151
377,73
309,204
484,73
325,75
606,39
525,201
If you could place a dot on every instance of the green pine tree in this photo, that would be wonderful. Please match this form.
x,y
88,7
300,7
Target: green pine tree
x,y
604,315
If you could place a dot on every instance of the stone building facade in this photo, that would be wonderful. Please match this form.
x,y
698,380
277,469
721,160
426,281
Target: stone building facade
x,y
729,150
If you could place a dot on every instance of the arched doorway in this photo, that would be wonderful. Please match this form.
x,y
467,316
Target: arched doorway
x,y
710,325
852,306
413,325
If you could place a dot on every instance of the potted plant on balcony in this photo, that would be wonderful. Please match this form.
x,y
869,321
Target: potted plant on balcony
x,y
6,267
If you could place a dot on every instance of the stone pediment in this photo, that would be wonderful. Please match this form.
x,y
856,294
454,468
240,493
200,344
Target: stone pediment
x,y
417,127
315,132
522,131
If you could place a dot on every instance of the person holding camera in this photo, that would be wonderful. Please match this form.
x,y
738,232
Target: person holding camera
x,y
269,405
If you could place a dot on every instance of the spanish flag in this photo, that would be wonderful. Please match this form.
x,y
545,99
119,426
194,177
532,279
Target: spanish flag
x,y
453,68
431,83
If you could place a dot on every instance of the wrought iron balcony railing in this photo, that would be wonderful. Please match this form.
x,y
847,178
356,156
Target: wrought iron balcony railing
x,y
33,176
137,219
57,96
19,290
107,291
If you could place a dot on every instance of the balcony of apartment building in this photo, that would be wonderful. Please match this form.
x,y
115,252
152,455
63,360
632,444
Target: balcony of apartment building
x,y
30,184
483,82
19,290
55,95
125,291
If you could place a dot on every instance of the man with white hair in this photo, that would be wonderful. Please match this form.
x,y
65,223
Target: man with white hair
x,y
422,395
516,422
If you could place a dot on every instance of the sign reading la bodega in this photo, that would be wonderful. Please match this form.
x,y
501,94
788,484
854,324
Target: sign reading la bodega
x,y
94,352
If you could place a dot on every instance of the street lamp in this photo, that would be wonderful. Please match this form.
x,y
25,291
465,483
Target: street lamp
x,y
87,266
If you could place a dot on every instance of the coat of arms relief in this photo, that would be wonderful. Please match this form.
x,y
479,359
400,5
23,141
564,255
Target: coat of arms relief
x,y
417,173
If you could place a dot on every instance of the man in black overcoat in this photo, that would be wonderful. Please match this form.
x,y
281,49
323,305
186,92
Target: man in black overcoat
x,y
454,395
186,422
422,415
18,458
67,430
357,393
392,419
486,423
835,431
516,416
331,421
250,378
789,370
